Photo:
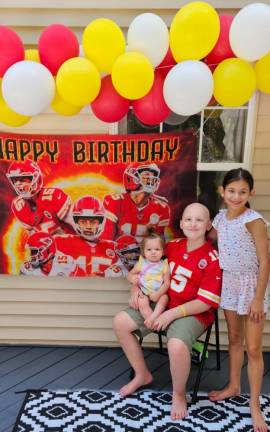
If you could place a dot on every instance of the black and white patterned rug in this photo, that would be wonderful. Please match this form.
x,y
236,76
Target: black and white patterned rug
x,y
145,411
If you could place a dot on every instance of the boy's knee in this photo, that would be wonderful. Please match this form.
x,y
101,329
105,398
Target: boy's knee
x,y
123,323
177,347
119,320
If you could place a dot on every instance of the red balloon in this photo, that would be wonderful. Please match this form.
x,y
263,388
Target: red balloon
x,y
222,50
109,106
212,102
167,63
57,43
152,109
11,49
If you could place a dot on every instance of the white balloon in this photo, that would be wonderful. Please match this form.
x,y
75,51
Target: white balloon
x,y
250,32
149,35
175,119
188,87
28,88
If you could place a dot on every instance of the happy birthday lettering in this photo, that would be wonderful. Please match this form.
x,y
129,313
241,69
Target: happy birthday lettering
x,y
96,151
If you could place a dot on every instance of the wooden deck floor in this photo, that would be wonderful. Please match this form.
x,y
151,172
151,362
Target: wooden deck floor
x,y
27,367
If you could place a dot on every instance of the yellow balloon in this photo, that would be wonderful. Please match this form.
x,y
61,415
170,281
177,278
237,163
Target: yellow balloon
x,y
132,75
194,31
103,41
78,81
64,108
262,69
9,117
32,54
234,82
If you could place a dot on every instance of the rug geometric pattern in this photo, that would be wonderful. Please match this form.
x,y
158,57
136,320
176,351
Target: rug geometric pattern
x,y
147,411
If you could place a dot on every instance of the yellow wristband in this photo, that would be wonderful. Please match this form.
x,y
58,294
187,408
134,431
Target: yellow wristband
x,y
183,310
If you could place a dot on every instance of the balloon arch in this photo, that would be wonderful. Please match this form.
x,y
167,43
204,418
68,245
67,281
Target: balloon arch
x,y
162,73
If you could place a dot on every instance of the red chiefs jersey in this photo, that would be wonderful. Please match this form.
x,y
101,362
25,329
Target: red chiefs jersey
x,y
62,265
94,258
46,212
194,275
124,217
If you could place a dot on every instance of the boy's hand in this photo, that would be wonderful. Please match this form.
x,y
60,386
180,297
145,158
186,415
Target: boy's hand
x,y
162,322
134,296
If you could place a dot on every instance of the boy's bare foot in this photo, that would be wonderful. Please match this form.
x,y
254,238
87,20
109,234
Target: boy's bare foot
x,y
258,421
226,393
137,382
179,407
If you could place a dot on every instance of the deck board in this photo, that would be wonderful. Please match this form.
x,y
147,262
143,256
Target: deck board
x,y
34,367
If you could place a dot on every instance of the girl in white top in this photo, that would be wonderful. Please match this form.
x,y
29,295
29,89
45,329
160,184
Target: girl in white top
x,y
244,258
152,276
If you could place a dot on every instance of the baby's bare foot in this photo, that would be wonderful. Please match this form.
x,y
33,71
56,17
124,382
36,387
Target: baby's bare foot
x,y
149,322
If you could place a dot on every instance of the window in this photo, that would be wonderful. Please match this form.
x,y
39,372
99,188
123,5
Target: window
x,y
224,142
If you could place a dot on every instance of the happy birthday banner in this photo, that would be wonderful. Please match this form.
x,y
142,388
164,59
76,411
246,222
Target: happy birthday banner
x,y
80,205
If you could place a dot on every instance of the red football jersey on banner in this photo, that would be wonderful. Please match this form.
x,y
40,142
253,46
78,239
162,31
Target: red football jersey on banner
x,y
47,212
124,217
194,275
62,265
93,257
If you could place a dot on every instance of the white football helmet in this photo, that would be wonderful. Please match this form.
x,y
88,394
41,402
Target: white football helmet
x,y
25,177
144,177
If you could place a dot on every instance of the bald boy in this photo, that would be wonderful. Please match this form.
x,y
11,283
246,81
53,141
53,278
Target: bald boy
x,y
194,293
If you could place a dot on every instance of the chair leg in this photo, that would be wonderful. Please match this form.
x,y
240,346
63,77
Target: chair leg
x,y
160,342
217,342
199,374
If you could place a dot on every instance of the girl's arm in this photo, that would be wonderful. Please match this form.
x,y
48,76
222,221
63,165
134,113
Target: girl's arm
x,y
212,236
258,231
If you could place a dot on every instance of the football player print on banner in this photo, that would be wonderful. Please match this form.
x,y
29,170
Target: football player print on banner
x,y
93,254
38,208
66,216
128,250
138,207
46,260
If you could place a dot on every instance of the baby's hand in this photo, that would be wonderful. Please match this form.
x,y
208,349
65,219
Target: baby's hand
x,y
162,322
134,279
154,297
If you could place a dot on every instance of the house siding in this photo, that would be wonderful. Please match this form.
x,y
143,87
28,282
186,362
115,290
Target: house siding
x,y
79,311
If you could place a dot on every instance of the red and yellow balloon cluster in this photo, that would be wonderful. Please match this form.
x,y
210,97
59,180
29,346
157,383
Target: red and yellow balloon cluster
x,y
160,72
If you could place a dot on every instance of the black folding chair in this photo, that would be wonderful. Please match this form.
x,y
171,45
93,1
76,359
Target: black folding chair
x,y
204,339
